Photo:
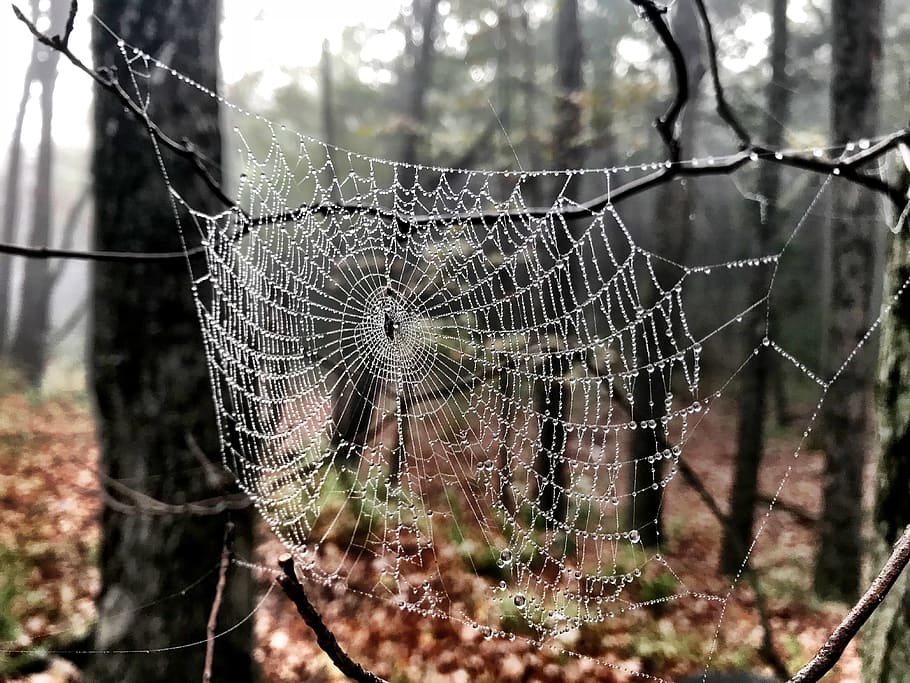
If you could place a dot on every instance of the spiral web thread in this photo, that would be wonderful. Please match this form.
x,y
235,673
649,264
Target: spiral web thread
x,y
441,368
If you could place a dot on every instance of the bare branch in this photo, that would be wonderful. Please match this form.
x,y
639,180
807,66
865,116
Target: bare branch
x,y
142,503
832,650
292,587
70,23
723,109
227,554
666,124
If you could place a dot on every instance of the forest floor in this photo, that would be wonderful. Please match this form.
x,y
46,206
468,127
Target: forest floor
x,y
49,504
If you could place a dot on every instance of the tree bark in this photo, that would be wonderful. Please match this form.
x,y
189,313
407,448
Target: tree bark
x,y
856,53
148,369
753,401
885,646
29,346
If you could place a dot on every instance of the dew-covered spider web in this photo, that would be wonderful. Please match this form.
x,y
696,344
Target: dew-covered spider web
x,y
414,366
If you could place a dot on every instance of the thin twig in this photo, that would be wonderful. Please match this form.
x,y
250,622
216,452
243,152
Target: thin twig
x,y
723,108
291,586
227,554
144,504
831,651
70,23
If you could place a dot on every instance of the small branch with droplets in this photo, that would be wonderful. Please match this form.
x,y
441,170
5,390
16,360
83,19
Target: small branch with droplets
x,y
292,587
831,651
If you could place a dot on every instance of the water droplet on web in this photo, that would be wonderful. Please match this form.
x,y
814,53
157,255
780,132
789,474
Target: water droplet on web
x,y
505,556
519,600
634,536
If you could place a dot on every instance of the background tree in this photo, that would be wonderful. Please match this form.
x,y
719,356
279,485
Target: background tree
x,y
886,639
673,226
753,397
11,188
29,346
156,424
552,397
856,53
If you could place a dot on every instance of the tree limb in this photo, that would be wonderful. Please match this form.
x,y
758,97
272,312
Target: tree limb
x,y
139,502
666,124
292,587
831,651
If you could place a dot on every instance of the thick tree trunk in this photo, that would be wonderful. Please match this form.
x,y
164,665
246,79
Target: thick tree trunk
x,y
886,638
674,208
151,387
29,346
856,42
754,392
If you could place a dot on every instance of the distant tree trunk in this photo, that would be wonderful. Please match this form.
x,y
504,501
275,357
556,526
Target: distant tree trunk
x,y
156,421
11,192
422,51
754,391
531,190
327,94
552,396
886,638
327,109
856,43
29,347
672,218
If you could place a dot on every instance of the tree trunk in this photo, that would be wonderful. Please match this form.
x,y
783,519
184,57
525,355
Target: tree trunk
x,y
674,208
156,421
327,112
552,395
422,52
856,43
754,392
29,347
886,638
531,191
11,193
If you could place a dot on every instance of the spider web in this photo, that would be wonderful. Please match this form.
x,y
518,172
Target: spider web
x,y
387,374
409,362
